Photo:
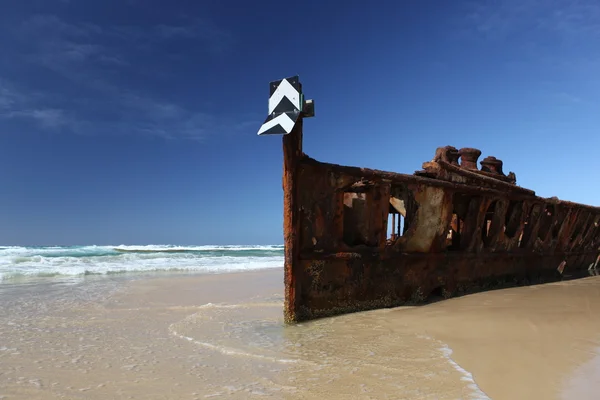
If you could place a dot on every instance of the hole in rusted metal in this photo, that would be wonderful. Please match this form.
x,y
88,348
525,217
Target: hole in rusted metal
x,y
396,214
453,238
355,218
513,218
460,212
532,218
487,223
395,227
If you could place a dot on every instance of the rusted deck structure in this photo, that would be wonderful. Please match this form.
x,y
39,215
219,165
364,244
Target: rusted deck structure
x,y
359,239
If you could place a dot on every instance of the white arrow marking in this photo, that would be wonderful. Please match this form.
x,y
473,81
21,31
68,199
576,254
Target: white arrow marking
x,y
283,119
285,89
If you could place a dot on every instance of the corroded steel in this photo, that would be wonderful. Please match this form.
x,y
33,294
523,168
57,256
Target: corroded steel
x,y
457,229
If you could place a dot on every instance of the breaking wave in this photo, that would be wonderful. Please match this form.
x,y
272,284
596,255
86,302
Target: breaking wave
x,y
50,261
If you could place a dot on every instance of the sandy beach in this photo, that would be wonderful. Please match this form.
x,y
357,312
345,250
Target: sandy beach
x,y
179,336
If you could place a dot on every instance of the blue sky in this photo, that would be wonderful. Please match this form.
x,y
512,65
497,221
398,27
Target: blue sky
x,y
135,121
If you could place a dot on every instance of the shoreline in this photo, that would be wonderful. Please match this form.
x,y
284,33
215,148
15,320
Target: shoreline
x,y
527,342
125,275
577,363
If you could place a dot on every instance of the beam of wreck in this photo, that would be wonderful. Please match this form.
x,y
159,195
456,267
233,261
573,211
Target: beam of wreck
x,y
459,229
292,152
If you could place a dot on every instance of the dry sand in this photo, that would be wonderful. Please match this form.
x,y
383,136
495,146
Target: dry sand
x,y
222,336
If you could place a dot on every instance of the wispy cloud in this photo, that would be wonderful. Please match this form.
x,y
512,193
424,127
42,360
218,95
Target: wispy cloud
x,y
214,37
564,19
54,26
6,98
93,59
170,31
15,104
553,39
568,98
133,114
47,118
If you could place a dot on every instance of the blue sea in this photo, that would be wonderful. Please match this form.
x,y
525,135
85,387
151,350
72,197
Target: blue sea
x,y
57,261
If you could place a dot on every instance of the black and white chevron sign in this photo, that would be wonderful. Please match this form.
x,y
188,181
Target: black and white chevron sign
x,y
285,104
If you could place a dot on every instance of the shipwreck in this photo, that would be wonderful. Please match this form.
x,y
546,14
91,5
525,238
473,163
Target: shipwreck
x,y
456,228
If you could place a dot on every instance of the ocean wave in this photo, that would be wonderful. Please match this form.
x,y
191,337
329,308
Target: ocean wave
x,y
18,262
170,248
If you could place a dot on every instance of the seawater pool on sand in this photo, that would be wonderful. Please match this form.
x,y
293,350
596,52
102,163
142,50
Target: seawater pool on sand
x,y
222,336
341,356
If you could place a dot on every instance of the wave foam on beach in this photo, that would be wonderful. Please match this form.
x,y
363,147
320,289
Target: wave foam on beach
x,y
16,262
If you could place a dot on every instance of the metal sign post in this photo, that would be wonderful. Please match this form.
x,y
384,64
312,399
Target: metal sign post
x,y
287,108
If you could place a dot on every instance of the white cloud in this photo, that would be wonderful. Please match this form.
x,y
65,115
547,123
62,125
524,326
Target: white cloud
x,y
83,54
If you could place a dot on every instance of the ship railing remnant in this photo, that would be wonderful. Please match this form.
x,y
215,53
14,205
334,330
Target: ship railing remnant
x,y
492,217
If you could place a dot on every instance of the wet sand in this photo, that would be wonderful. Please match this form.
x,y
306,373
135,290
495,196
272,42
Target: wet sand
x,y
222,336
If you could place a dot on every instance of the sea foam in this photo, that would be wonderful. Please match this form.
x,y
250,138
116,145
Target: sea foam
x,y
84,260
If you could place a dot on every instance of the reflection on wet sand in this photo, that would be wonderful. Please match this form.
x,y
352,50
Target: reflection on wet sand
x,y
222,336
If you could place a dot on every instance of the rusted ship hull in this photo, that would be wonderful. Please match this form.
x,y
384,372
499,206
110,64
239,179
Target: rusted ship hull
x,y
457,229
